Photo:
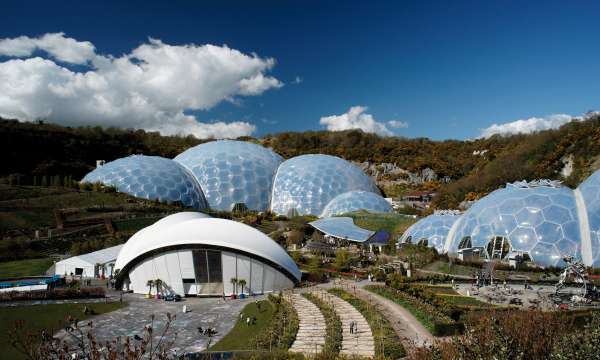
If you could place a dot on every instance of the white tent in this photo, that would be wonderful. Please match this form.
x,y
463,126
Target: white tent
x,y
95,264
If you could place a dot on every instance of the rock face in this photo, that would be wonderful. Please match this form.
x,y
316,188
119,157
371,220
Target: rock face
x,y
390,174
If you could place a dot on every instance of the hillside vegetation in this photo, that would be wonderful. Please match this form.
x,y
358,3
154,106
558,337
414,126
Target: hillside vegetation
x,y
475,167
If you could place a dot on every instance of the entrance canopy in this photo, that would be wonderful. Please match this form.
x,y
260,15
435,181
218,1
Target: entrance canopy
x,y
342,228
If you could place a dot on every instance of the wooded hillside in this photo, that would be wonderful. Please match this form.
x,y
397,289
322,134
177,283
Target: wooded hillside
x,y
475,167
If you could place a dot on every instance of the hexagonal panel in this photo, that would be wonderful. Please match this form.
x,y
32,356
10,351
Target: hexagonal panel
x,y
150,177
545,254
523,238
529,217
556,214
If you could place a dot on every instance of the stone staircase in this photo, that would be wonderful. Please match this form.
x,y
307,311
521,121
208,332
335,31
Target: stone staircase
x,y
361,342
310,338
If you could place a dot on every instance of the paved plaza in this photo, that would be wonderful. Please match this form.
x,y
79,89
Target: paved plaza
x,y
203,312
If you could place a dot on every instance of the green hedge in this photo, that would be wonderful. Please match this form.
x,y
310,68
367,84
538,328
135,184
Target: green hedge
x,y
448,329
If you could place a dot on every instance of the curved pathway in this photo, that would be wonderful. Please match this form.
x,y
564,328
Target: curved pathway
x,y
360,342
310,338
408,327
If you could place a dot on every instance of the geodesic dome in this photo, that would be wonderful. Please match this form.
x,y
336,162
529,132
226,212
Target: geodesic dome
x,y
307,183
152,178
232,172
537,219
356,200
590,192
432,230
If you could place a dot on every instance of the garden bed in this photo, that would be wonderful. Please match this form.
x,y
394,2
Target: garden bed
x,y
438,322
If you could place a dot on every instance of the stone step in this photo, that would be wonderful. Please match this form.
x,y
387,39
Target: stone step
x,y
360,342
310,337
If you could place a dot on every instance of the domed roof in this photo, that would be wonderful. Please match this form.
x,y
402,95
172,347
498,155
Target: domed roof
x,y
231,172
538,219
180,230
590,192
152,178
433,228
307,183
356,200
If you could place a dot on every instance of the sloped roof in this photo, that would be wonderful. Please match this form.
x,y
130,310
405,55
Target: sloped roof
x,y
342,228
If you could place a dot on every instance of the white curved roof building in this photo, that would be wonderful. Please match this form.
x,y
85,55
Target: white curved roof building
x,y
194,254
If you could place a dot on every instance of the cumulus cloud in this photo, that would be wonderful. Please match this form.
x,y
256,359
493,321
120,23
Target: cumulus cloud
x,y
397,124
150,88
355,118
56,45
528,126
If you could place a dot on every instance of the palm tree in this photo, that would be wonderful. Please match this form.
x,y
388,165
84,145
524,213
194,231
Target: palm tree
x,y
234,282
242,283
150,284
158,283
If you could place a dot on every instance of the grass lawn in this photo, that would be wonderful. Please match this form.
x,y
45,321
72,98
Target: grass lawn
x,y
464,300
442,289
29,267
241,336
38,317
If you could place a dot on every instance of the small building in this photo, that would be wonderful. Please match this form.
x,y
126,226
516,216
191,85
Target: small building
x,y
419,196
97,264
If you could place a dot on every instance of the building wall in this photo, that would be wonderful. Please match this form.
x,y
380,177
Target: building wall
x,y
68,266
174,266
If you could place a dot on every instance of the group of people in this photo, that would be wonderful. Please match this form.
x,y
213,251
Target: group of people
x,y
353,327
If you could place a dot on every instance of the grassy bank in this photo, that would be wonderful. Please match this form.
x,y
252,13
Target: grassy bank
x,y
29,267
39,317
241,336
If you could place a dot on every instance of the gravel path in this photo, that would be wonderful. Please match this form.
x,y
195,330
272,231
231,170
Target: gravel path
x,y
408,328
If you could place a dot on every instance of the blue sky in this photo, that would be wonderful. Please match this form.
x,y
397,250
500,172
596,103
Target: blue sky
x,y
447,69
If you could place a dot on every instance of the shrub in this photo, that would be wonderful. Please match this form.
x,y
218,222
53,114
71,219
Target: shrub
x,y
54,294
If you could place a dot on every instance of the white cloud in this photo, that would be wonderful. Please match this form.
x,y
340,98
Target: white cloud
x,y
150,88
355,118
56,45
528,126
397,124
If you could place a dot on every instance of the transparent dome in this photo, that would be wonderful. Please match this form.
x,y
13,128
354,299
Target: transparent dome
x,y
590,191
433,229
152,178
307,183
540,221
356,200
233,172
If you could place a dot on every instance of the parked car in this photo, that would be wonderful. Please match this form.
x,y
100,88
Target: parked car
x,y
172,297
